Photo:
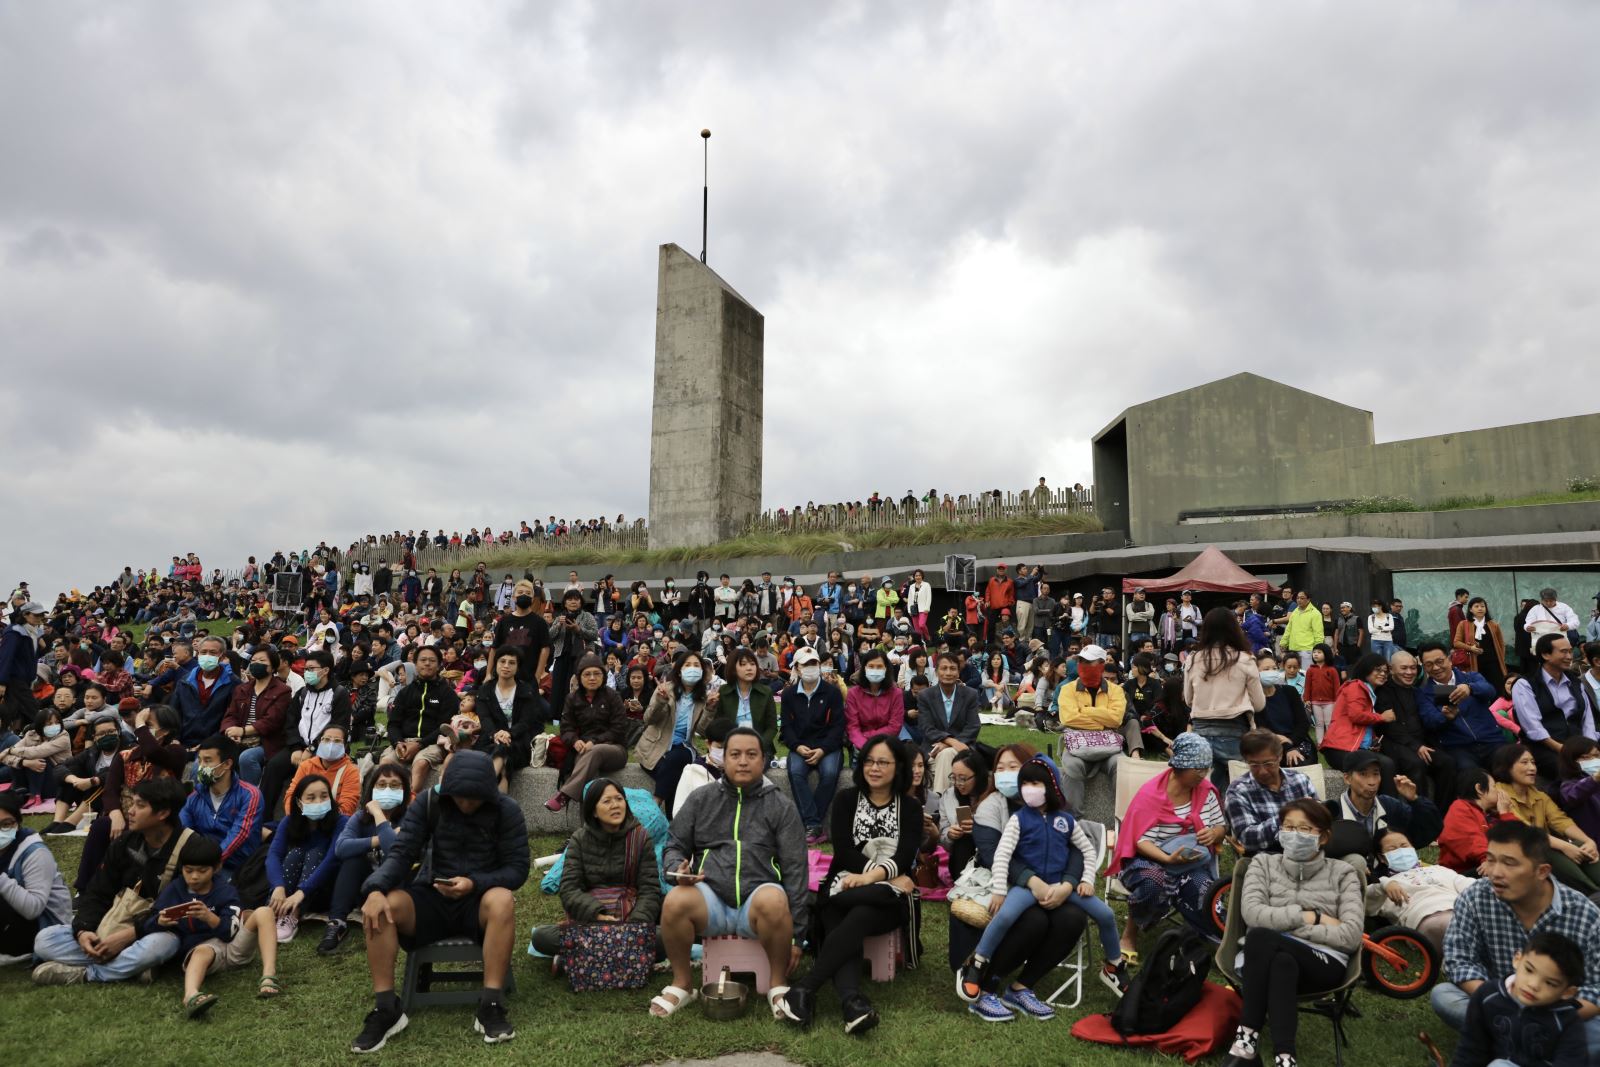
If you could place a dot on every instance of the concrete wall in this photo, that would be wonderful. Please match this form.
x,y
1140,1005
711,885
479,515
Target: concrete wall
x,y
1214,446
1578,517
706,423
1504,461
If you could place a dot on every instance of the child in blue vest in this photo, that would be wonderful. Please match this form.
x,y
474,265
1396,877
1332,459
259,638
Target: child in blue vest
x,y
1040,838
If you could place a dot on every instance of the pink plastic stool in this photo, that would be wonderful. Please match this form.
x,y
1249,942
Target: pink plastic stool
x,y
883,954
739,955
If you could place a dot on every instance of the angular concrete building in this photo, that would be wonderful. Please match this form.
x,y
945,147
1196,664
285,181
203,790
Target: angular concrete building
x,y
706,423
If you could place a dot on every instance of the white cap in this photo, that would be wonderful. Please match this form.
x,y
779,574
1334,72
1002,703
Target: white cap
x,y
1092,653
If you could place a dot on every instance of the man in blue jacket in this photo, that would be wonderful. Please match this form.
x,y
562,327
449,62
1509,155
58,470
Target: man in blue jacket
x,y
813,731
1454,704
201,696
223,806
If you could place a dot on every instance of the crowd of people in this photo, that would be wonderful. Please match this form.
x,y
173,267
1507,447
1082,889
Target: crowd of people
x,y
210,768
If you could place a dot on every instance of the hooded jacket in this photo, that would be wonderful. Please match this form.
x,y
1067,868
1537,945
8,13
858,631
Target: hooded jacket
x,y
597,858
743,838
489,846
421,710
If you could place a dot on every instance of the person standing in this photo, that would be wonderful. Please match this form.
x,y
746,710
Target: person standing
x,y
1479,646
1348,634
1141,616
524,628
999,593
1302,628
19,666
1222,687
1027,590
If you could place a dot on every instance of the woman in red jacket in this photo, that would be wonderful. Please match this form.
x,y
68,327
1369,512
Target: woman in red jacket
x,y
1464,842
874,704
1355,723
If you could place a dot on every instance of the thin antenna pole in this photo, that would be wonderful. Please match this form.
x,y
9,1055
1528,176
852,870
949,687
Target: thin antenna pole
x,y
705,189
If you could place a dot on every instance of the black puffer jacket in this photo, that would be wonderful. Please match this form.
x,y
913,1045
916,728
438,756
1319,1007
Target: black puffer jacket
x,y
421,710
490,846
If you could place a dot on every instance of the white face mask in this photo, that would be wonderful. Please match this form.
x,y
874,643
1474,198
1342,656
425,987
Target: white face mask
x,y
810,673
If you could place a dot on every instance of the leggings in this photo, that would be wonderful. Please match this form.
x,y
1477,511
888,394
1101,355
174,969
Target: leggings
x,y
846,920
1584,877
1277,969
1104,920
1321,717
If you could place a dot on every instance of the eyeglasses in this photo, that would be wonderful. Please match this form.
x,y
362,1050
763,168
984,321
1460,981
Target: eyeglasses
x,y
877,763
962,779
1261,764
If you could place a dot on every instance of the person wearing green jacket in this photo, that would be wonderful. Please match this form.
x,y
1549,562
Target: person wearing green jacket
x,y
1303,632
746,702
887,599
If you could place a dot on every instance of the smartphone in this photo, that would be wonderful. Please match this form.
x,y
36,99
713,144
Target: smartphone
x,y
963,813
1186,855
683,877
177,911
444,881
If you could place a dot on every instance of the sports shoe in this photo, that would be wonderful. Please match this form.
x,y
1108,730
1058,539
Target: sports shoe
x,y
332,937
990,1009
797,1006
969,981
287,925
381,1025
1115,977
1028,1001
492,1023
53,973
859,1016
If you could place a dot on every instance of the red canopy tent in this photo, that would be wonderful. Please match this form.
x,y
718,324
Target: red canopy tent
x,y
1209,572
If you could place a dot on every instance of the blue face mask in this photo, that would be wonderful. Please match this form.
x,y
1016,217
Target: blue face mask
x,y
691,675
1589,766
1271,679
7,836
1006,783
330,751
52,730
874,674
316,810
389,798
1401,859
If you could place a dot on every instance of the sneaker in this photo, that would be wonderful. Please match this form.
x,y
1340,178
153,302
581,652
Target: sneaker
x,y
969,982
332,937
287,925
1029,1002
81,830
1115,977
380,1026
492,1023
813,836
797,1006
859,1016
8,961
53,973
57,828
990,1009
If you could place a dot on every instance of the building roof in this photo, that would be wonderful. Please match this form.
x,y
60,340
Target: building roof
x,y
1242,384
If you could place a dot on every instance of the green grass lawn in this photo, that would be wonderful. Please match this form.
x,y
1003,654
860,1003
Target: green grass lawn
x,y
325,999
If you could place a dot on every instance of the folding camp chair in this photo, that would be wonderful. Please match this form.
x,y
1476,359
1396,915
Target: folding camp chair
x,y
1333,1004
1314,771
1131,775
1076,970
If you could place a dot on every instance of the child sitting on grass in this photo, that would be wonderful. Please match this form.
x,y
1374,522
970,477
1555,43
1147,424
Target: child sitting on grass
x,y
204,912
1531,1020
1041,836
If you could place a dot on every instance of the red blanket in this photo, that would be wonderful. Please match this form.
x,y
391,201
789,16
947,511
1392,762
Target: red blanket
x,y
1206,1030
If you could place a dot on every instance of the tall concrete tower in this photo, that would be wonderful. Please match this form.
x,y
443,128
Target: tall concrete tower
x,y
706,422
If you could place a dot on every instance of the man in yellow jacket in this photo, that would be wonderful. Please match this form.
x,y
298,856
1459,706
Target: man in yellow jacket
x,y
1091,712
1303,632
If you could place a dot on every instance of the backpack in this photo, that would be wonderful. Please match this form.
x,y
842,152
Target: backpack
x,y
1167,986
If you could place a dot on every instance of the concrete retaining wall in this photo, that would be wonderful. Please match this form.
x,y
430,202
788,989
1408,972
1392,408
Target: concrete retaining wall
x,y
1579,517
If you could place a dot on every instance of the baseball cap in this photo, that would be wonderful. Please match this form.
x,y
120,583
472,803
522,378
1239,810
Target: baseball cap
x,y
1360,760
1092,653
807,654
33,607
1000,567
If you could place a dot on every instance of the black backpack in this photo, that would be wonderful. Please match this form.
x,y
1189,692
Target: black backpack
x,y
1167,986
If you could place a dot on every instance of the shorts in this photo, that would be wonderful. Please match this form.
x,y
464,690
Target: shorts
x,y
432,755
723,920
228,955
439,917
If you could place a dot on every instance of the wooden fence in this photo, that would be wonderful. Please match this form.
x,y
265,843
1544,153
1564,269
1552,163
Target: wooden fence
x,y
967,508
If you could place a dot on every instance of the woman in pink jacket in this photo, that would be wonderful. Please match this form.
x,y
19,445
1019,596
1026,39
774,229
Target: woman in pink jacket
x,y
873,705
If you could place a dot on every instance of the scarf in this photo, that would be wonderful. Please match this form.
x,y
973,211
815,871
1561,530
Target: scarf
x,y
1151,806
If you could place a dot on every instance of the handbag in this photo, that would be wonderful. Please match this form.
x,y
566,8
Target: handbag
x,y
129,906
969,897
1083,740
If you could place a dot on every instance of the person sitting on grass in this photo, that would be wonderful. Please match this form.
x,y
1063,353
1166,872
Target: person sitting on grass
x,y
80,778
367,836
156,753
1533,1017
1574,856
301,863
28,764
332,761
32,894
1412,893
738,849
1040,839
203,910
223,806
595,878
477,843
1303,913
143,858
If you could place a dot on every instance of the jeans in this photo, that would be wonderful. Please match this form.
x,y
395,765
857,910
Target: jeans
x,y
1018,900
1450,1004
1224,740
814,805
1105,921
56,944
1384,649
251,761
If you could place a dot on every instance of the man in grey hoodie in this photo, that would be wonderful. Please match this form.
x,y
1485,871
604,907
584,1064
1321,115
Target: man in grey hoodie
x,y
735,845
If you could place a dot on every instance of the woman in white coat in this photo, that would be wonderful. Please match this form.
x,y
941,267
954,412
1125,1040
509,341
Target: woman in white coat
x,y
919,601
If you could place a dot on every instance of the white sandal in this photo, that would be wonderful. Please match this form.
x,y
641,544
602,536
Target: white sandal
x,y
669,1007
774,995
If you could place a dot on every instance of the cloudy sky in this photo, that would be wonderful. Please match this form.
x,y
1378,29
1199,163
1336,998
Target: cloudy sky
x,y
272,273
